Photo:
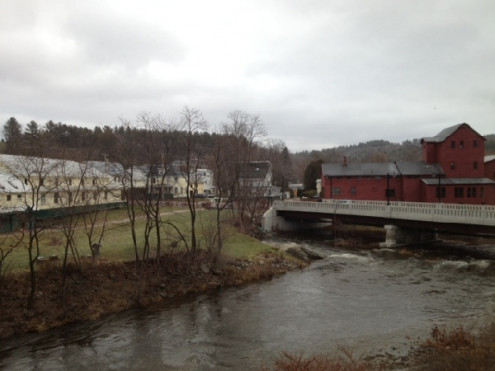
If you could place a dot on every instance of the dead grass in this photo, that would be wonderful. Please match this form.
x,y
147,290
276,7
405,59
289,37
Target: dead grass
x,y
345,361
457,349
454,349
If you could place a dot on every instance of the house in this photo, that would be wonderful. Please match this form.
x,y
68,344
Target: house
x,y
205,182
452,170
176,182
256,179
164,181
43,183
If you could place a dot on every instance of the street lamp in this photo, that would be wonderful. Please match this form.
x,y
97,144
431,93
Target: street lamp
x,y
388,189
439,189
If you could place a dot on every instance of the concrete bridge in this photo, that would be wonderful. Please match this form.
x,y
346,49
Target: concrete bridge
x,y
404,222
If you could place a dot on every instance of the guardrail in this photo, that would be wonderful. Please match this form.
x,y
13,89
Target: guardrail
x,y
420,211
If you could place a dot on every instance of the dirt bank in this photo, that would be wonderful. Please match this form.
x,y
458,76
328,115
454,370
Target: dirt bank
x,y
102,288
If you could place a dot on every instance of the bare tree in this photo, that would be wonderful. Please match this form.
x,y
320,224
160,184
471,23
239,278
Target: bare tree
x,y
32,174
128,159
249,129
156,151
233,150
71,179
192,122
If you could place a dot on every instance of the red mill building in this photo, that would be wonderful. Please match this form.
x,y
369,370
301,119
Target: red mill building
x,y
452,171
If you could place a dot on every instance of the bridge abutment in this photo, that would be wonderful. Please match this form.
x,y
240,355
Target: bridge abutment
x,y
272,222
396,236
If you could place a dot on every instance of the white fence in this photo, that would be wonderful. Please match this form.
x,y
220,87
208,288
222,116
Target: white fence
x,y
420,211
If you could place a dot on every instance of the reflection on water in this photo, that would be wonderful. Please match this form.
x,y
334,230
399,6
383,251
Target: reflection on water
x,y
373,301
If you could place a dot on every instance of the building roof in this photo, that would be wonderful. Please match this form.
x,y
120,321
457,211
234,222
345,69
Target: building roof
x,y
256,170
458,181
447,132
489,158
29,165
110,168
416,168
10,184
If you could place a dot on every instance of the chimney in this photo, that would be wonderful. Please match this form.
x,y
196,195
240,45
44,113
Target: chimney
x,y
344,164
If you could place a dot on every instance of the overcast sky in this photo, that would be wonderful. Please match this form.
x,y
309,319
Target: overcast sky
x,y
320,73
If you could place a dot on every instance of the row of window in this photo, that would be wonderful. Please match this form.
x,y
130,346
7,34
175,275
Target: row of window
x,y
453,144
475,165
441,192
56,197
460,192
57,182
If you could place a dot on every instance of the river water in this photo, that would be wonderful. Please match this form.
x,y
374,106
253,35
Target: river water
x,y
376,302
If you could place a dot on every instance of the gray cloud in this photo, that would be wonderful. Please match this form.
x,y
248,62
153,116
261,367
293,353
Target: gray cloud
x,y
320,73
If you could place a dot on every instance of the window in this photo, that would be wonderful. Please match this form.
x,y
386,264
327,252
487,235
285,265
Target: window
x,y
105,195
25,181
353,191
9,197
43,199
452,144
42,181
475,144
83,195
95,195
390,193
55,198
336,191
471,192
475,165
452,165
70,197
19,197
459,192
441,192
461,144
69,181
94,181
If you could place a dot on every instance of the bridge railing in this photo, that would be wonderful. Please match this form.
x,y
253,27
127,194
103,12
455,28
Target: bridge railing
x,y
421,211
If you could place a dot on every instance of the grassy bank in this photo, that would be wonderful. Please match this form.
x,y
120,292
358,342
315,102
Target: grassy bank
x,y
99,289
115,282
117,244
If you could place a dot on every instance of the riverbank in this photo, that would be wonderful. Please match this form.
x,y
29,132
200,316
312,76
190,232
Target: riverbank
x,y
101,288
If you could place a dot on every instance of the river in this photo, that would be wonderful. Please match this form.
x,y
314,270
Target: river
x,y
376,302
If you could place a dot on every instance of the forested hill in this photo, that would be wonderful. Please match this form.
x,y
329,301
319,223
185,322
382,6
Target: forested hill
x,y
372,151
379,151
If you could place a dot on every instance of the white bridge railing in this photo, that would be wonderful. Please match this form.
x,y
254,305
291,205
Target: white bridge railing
x,y
420,211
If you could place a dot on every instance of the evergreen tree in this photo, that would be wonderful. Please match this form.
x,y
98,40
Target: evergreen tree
x,y
13,135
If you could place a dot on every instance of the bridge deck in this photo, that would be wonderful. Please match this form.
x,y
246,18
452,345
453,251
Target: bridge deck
x,y
468,215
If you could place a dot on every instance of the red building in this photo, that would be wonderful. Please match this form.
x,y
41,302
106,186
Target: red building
x,y
490,167
452,170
